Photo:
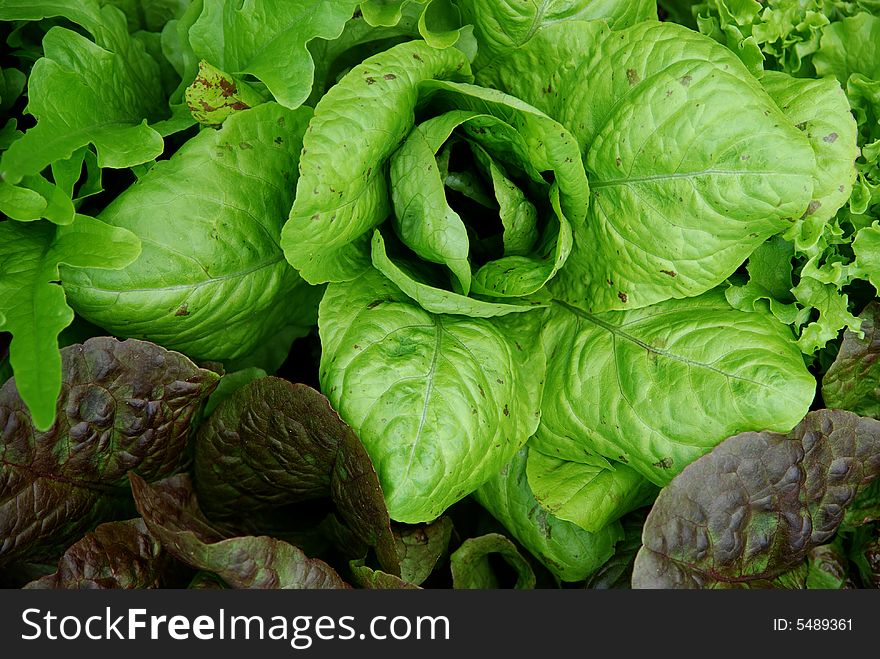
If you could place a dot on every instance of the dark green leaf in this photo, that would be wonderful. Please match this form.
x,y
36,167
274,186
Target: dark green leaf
x,y
471,567
421,547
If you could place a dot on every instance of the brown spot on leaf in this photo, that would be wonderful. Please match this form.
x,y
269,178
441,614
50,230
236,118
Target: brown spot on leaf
x,y
686,81
390,76
623,459
182,310
370,80
417,57
632,77
670,273
247,146
505,411
665,463
813,207
374,304
831,138
623,296
618,161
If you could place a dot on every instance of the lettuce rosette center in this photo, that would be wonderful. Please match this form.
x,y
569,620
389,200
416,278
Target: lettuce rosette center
x,y
463,196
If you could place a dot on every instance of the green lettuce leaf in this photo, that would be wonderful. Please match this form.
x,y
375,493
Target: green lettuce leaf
x,y
218,296
471,568
503,26
342,191
125,406
853,380
110,90
758,504
463,396
268,40
658,387
172,515
568,551
588,495
672,129
420,548
32,305
273,443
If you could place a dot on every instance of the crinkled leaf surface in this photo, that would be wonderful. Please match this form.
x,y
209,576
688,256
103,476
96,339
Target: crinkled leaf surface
x,y
503,26
123,406
440,402
756,505
819,108
588,495
114,555
228,287
342,192
471,568
691,164
420,548
101,92
171,513
268,39
274,443
658,387
853,380
34,306
366,577
568,551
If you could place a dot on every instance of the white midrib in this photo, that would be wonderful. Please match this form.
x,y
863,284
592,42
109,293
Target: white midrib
x,y
429,389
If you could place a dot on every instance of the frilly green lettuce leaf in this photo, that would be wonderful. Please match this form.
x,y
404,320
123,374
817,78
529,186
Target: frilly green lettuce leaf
x,y
461,396
172,515
672,129
97,82
34,306
656,388
268,40
227,288
273,443
124,406
756,506
568,551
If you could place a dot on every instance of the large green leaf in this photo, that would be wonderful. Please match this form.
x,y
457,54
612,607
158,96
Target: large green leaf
x,y
342,191
591,496
658,387
568,551
820,110
758,504
440,402
125,406
691,164
268,39
502,26
83,92
273,443
34,305
227,288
